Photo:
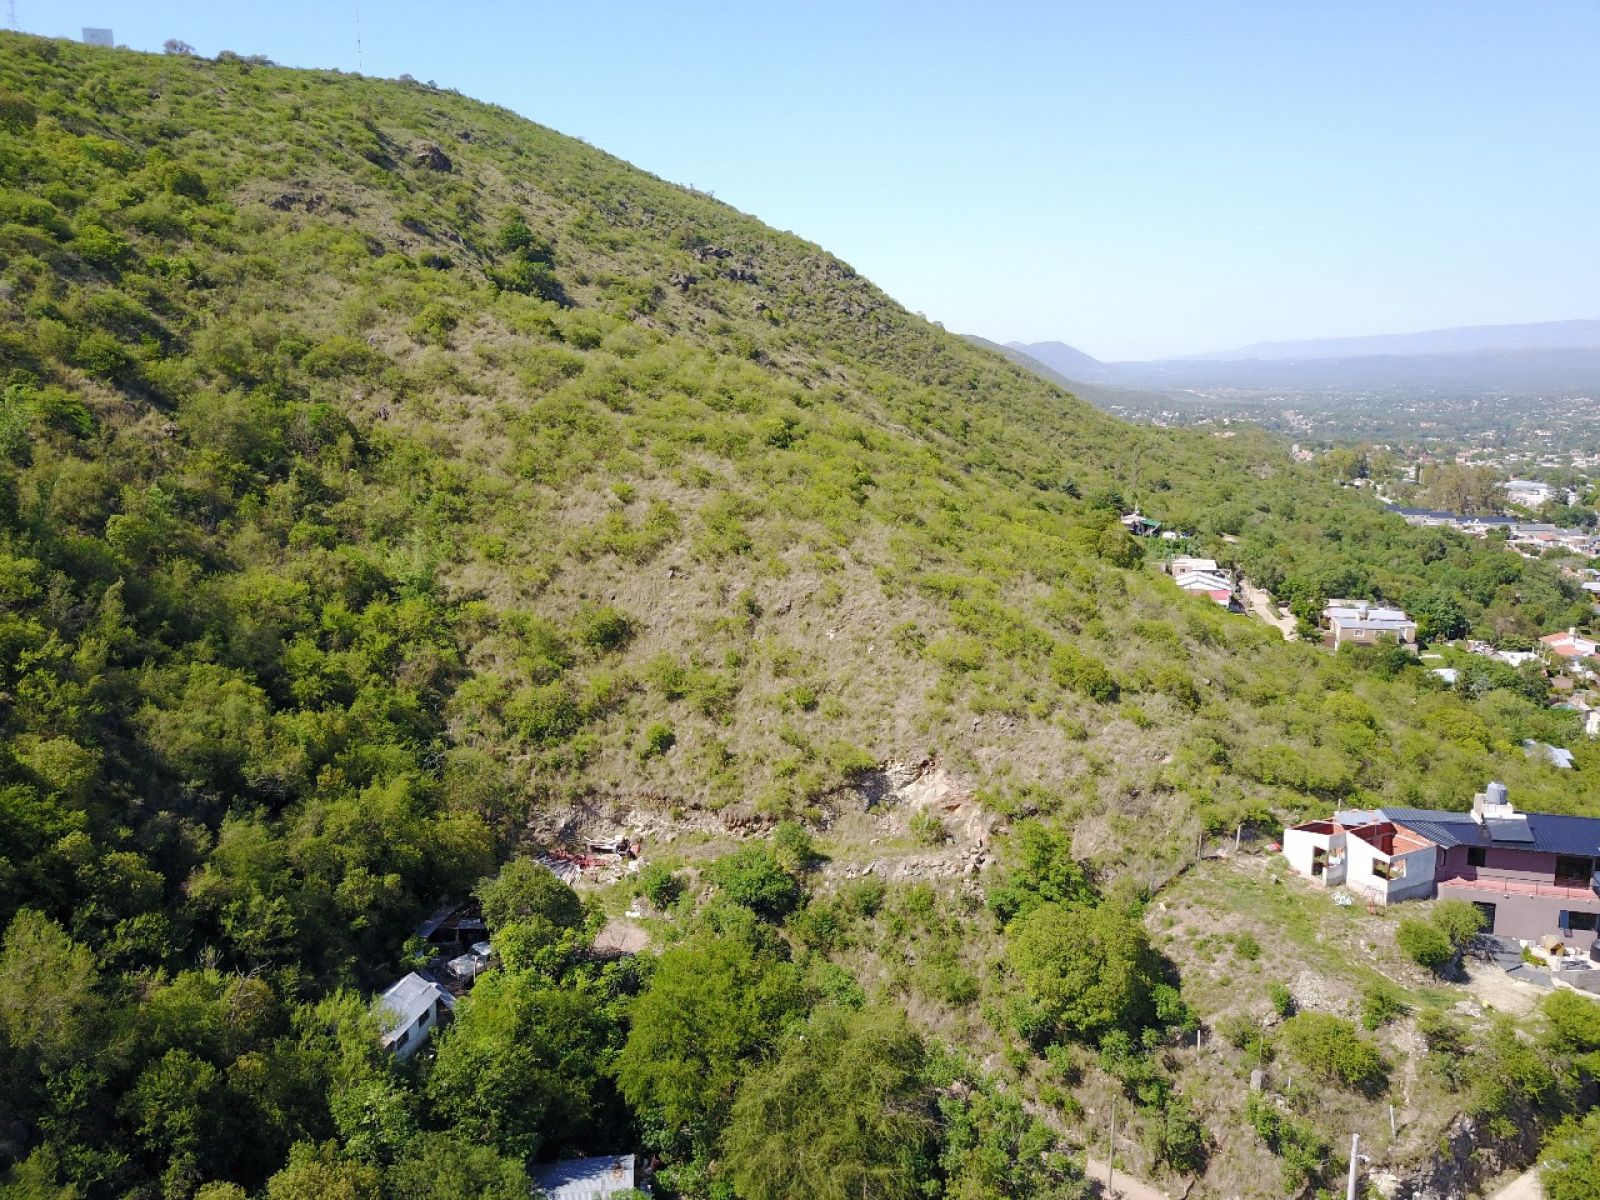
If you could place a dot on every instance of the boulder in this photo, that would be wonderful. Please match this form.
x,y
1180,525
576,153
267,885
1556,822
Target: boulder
x,y
430,158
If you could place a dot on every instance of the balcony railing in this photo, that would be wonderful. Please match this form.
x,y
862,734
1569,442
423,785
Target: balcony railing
x,y
1565,890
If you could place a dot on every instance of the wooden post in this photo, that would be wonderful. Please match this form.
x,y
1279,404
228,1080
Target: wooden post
x,y
1355,1158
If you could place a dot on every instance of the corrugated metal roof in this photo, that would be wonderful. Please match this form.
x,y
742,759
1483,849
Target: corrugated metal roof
x,y
1548,833
406,1000
585,1178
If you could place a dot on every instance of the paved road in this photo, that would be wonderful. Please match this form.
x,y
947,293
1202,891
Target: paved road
x,y
1260,603
1129,1188
1523,1187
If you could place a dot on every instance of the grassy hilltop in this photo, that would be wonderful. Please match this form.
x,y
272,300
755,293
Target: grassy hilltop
x,y
385,478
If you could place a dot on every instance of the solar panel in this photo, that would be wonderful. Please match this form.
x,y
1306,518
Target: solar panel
x,y
1512,830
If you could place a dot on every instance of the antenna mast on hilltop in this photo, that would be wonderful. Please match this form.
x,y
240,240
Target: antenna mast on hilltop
x,y
11,14
357,10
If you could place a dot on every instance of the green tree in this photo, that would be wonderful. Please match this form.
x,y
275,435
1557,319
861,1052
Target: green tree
x,y
519,1068
317,1172
1040,870
1567,1163
1438,614
711,1005
440,1166
753,877
49,1005
1089,970
537,921
843,1111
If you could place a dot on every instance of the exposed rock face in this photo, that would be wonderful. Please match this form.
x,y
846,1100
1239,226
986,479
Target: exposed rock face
x,y
431,158
1470,1156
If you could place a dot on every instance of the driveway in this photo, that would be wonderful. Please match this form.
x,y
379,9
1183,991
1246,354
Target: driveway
x,y
1129,1188
1260,603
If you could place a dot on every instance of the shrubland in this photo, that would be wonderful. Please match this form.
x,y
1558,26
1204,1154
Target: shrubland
x,y
381,472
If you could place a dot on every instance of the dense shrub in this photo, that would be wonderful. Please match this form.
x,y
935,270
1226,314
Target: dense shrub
x,y
1335,1050
753,877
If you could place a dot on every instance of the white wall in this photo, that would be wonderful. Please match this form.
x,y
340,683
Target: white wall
x,y
1300,845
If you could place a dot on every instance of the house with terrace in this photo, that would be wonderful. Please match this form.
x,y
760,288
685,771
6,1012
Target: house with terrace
x,y
1357,623
1531,874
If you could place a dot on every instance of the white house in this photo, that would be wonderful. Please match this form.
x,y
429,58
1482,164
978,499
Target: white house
x,y
1528,493
1373,857
1362,624
586,1178
409,1011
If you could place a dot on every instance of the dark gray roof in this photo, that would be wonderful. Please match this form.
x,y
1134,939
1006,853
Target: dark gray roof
x,y
1546,833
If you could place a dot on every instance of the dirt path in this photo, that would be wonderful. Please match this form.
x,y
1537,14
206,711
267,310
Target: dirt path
x,y
1260,603
1523,1187
1128,1188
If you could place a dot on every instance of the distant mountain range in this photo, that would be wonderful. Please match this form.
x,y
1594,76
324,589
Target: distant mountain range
x,y
1549,356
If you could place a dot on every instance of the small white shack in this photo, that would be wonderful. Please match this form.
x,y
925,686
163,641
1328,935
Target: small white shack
x,y
585,1178
408,1011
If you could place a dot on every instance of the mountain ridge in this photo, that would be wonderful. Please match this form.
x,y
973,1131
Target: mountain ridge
x,y
1555,355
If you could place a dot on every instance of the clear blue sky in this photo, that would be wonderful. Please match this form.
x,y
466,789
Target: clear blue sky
x,y
1136,178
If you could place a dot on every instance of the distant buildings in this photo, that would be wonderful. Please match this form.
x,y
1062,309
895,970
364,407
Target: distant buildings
x,y
1557,756
98,37
1527,537
1528,493
1570,645
1357,623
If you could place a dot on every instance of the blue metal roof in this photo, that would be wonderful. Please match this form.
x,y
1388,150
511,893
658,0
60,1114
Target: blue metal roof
x,y
1546,833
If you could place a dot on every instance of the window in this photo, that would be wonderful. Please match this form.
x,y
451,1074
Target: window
x,y
1577,922
1574,867
1477,856
1395,869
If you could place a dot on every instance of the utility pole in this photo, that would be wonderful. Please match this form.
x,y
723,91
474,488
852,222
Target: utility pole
x,y
1355,1158
1111,1151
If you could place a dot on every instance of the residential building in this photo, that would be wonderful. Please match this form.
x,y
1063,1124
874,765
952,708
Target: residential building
x,y
1218,588
1203,577
1140,525
1529,493
1532,874
1570,645
585,1178
1557,756
1357,623
409,1011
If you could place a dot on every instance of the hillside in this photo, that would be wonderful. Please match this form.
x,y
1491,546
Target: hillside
x,y
1067,360
392,486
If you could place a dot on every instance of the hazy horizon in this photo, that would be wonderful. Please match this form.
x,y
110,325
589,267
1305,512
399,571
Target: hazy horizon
x,y
1154,182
